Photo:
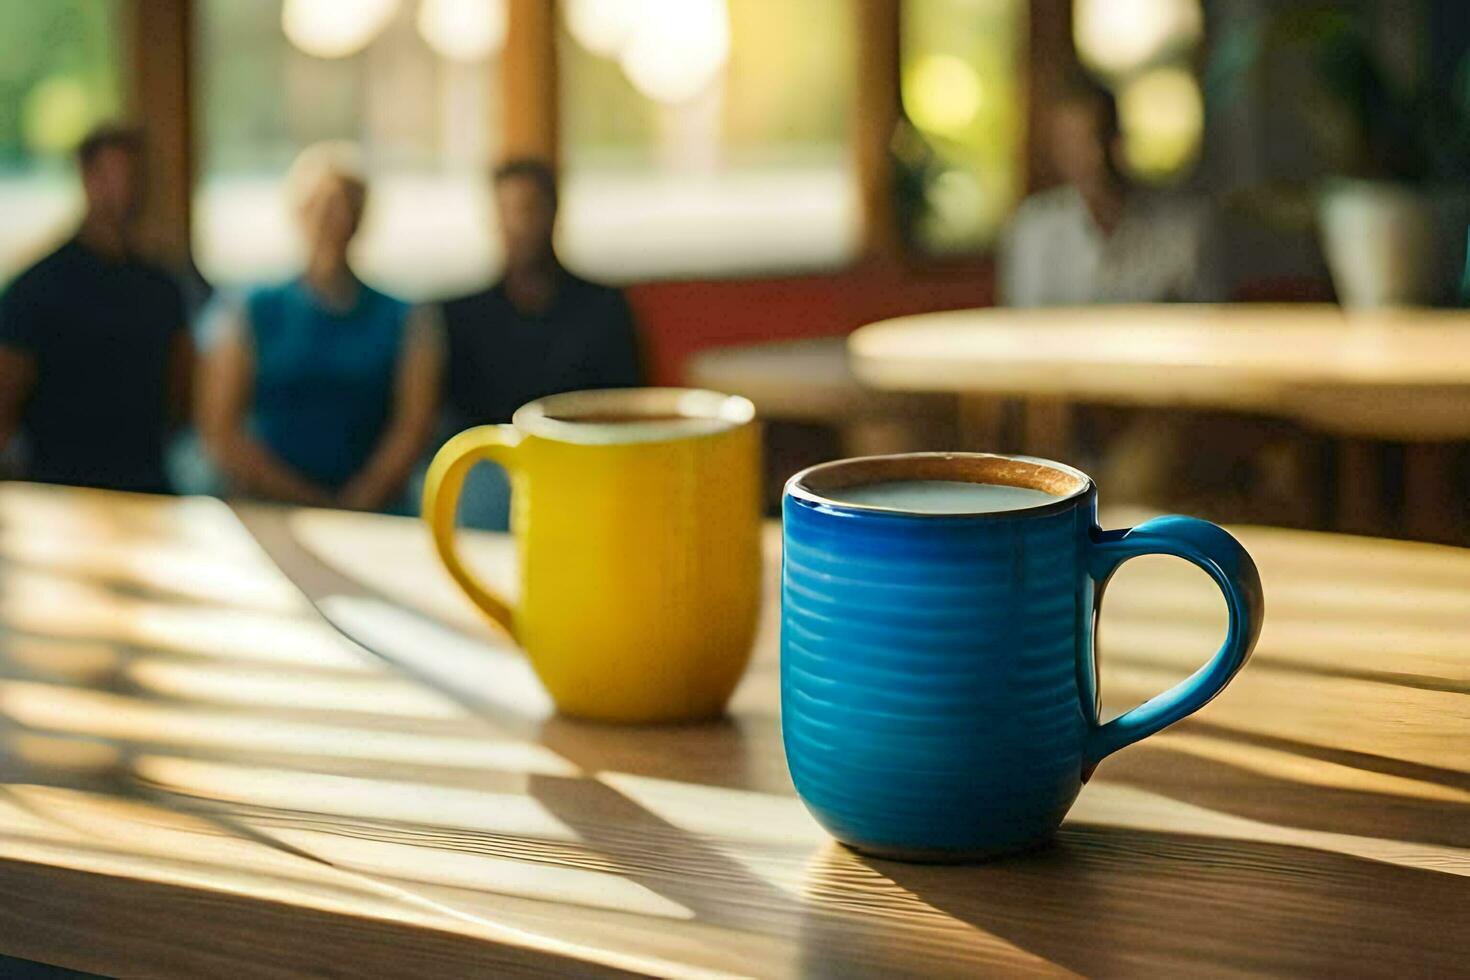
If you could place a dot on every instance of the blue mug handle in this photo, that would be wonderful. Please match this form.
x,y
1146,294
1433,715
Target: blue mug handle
x,y
1224,560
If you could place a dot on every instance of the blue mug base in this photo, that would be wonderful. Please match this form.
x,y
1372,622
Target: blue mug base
x,y
943,855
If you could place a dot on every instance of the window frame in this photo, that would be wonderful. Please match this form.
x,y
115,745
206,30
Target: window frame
x,y
159,40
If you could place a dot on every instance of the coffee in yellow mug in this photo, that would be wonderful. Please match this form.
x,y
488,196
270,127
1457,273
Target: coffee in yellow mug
x,y
637,517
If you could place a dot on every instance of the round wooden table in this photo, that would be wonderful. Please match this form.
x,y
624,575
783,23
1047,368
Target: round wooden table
x,y
1393,375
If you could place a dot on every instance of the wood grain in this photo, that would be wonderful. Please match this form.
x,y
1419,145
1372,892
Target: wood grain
x,y
201,776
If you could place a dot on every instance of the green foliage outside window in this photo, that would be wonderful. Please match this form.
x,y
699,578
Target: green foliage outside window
x,y
58,76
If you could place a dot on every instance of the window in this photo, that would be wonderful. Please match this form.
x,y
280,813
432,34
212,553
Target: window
x,y
961,87
59,77
707,135
412,82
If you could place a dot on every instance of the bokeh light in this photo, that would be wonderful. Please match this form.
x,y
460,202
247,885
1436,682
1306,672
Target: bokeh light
x,y
1121,36
1162,113
463,30
335,28
677,48
961,65
941,94
955,198
603,27
56,114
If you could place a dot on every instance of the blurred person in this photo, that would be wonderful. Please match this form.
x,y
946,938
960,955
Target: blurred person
x,y
1097,238
95,357
322,390
1100,239
539,330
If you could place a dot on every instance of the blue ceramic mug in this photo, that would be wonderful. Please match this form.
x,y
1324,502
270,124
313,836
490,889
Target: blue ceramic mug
x,y
939,695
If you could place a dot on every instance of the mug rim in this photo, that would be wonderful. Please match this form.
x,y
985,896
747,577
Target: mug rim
x,y
1018,467
701,412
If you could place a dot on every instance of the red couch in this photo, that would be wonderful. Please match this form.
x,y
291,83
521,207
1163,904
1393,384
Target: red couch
x,y
683,317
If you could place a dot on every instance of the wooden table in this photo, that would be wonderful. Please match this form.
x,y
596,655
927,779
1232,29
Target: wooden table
x,y
1401,375
201,777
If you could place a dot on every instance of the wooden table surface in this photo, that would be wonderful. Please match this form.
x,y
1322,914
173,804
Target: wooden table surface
x,y
1393,374
202,777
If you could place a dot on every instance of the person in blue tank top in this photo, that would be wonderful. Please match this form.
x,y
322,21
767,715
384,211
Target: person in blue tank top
x,y
322,390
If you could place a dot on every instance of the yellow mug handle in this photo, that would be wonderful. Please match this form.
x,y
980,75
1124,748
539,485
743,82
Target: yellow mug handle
x,y
442,487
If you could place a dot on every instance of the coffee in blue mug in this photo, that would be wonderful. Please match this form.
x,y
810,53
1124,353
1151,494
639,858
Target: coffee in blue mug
x,y
939,696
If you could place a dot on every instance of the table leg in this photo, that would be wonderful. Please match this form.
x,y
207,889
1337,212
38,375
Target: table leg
x,y
878,437
1360,508
1047,429
1431,505
982,423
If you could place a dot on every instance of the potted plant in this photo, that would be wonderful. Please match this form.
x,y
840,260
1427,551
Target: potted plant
x,y
1395,215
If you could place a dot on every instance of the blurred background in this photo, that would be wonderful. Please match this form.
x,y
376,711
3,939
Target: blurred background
x,y
765,171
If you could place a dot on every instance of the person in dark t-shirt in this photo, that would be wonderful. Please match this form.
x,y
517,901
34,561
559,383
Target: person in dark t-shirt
x,y
540,330
95,360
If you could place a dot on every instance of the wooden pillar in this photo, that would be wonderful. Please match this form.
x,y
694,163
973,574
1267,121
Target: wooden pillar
x,y
875,119
982,424
1051,59
1047,428
159,53
529,81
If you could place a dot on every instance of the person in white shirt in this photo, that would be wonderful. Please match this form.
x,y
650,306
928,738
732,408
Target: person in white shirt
x,y
1098,238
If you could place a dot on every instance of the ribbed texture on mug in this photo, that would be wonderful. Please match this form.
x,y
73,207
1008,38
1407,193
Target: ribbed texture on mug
x,y
929,675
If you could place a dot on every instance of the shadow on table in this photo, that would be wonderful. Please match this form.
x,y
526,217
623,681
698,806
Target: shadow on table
x,y
1387,765
1108,901
496,684
1225,788
682,865
734,752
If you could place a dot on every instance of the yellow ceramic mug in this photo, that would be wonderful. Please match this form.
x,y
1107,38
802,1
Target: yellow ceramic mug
x,y
637,515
